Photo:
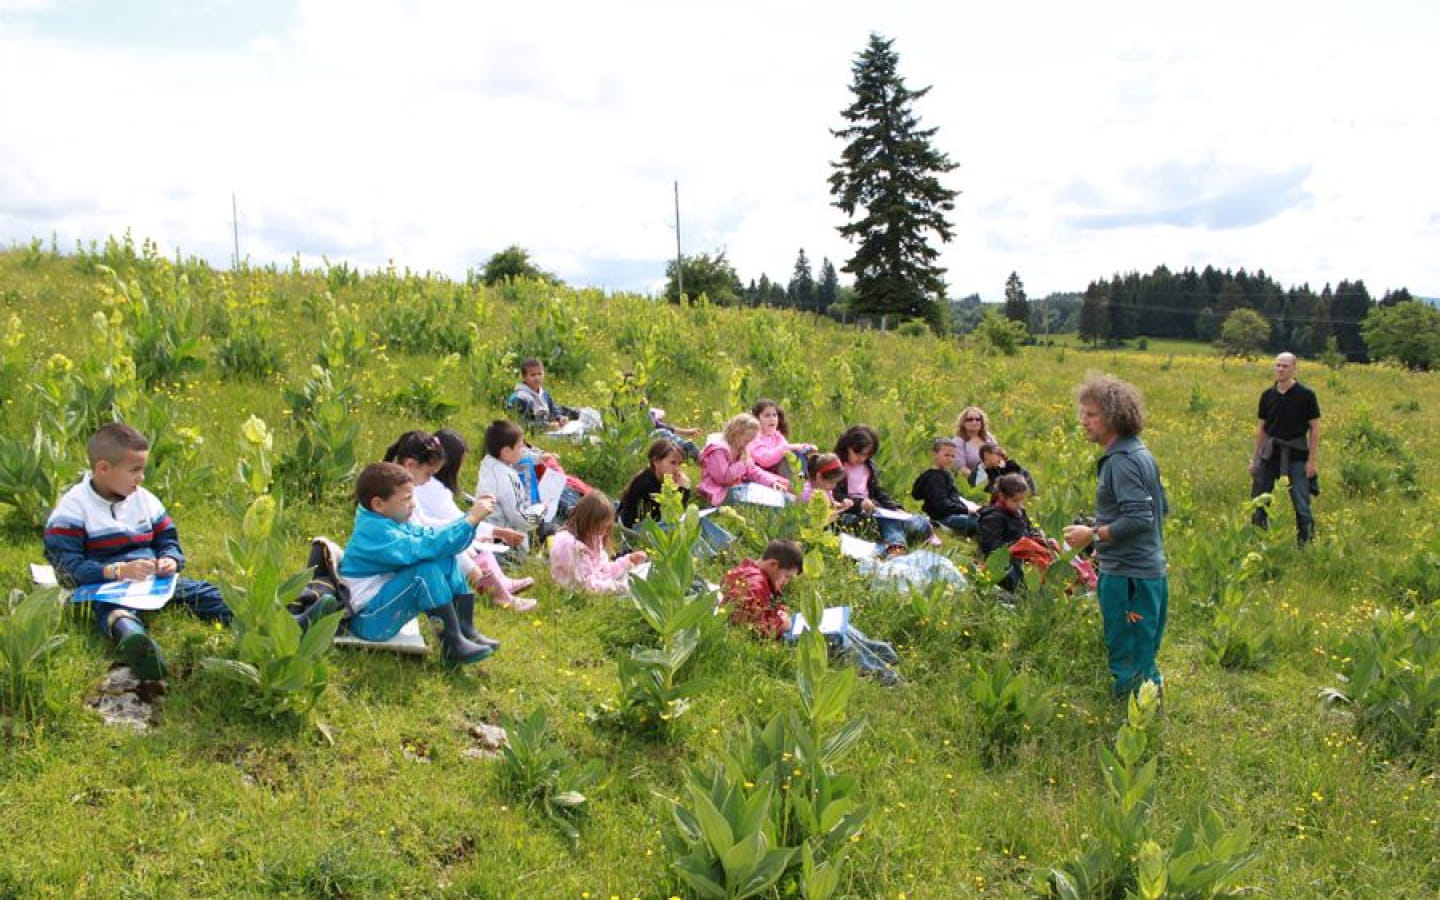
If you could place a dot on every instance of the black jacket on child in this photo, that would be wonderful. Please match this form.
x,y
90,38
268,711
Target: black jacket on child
x,y
638,501
873,490
935,489
1000,528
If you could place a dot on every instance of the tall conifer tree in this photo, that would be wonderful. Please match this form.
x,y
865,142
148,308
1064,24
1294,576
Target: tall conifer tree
x,y
828,289
1017,305
801,290
888,176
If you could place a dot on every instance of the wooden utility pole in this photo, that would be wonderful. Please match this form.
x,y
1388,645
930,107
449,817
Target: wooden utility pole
x,y
679,258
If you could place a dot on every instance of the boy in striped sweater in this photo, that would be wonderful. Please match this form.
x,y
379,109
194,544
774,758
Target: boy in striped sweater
x,y
109,528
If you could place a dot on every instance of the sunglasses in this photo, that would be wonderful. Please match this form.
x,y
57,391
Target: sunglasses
x,y
973,419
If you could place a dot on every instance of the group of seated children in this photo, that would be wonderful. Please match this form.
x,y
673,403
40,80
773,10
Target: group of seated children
x,y
414,549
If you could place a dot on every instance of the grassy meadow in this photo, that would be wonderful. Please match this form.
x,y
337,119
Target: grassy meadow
x,y
374,795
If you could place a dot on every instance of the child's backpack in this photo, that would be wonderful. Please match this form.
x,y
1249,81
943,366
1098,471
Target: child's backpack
x,y
325,581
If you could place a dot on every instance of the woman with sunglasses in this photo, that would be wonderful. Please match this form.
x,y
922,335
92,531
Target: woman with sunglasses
x,y
972,431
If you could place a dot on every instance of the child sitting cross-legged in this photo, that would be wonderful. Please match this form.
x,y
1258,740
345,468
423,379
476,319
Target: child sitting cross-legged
x,y
935,489
109,528
539,409
504,450
396,570
580,552
856,448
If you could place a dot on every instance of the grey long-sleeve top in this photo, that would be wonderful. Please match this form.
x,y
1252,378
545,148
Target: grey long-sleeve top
x,y
1130,499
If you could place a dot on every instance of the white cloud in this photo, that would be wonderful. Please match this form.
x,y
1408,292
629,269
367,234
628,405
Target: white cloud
x,y
435,133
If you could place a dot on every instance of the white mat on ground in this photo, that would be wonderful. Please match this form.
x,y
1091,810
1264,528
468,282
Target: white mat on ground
x,y
409,640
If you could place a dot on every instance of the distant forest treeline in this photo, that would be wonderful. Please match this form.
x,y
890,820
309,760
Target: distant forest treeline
x,y
1186,305
1191,305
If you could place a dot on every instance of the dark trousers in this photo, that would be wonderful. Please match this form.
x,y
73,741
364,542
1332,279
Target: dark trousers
x,y
1263,482
200,597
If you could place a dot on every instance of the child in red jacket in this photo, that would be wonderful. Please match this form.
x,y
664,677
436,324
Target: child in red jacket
x,y
752,589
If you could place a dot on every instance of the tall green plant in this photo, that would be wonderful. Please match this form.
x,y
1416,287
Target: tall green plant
x,y
1391,678
284,667
324,456
653,693
1123,859
27,482
778,792
161,324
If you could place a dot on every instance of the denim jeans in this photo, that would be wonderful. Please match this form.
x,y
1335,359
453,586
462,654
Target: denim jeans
x,y
961,523
1264,481
893,532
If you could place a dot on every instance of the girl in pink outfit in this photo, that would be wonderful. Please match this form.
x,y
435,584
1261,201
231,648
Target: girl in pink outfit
x,y
580,554
770,446
726,464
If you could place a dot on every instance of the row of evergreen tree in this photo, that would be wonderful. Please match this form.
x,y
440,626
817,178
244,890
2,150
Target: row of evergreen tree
x,y
1191,305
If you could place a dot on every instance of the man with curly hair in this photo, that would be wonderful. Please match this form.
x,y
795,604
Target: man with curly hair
x,y
1130,507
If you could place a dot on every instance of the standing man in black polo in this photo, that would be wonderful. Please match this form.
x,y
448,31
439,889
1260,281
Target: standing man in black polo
x,y
1287,442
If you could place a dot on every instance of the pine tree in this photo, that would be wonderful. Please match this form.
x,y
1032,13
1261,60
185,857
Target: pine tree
x,y
1094,319
801,290
887,174
1351,305
1017,307
828,290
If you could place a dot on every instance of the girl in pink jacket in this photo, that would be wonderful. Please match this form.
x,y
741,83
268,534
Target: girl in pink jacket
x,y
772,444
725,464
580,554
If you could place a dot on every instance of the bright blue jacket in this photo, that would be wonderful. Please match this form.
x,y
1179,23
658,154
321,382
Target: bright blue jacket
x,y
396,570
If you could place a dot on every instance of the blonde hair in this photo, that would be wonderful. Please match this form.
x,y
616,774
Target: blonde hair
x,y
984,432
738,426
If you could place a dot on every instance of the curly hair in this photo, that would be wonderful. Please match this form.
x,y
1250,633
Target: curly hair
x,y
1119,403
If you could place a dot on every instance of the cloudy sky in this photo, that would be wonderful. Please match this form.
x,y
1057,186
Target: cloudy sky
x,y
1091,137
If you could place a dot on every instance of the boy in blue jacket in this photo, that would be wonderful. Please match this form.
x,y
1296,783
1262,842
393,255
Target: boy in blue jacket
x,y
396,570
109,528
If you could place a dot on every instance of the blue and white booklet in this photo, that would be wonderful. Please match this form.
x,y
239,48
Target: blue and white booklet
x,y
152,593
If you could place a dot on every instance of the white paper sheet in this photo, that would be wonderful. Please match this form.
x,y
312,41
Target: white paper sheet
x,y
552,485
760,495
834,621
857,548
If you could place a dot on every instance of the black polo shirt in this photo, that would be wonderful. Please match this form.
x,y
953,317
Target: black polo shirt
x,y
1288,415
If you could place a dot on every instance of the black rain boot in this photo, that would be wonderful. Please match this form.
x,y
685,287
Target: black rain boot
x,y
454,648
465,613
323,606
137,649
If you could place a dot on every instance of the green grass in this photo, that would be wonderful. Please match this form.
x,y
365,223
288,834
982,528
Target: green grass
x,y
215,802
